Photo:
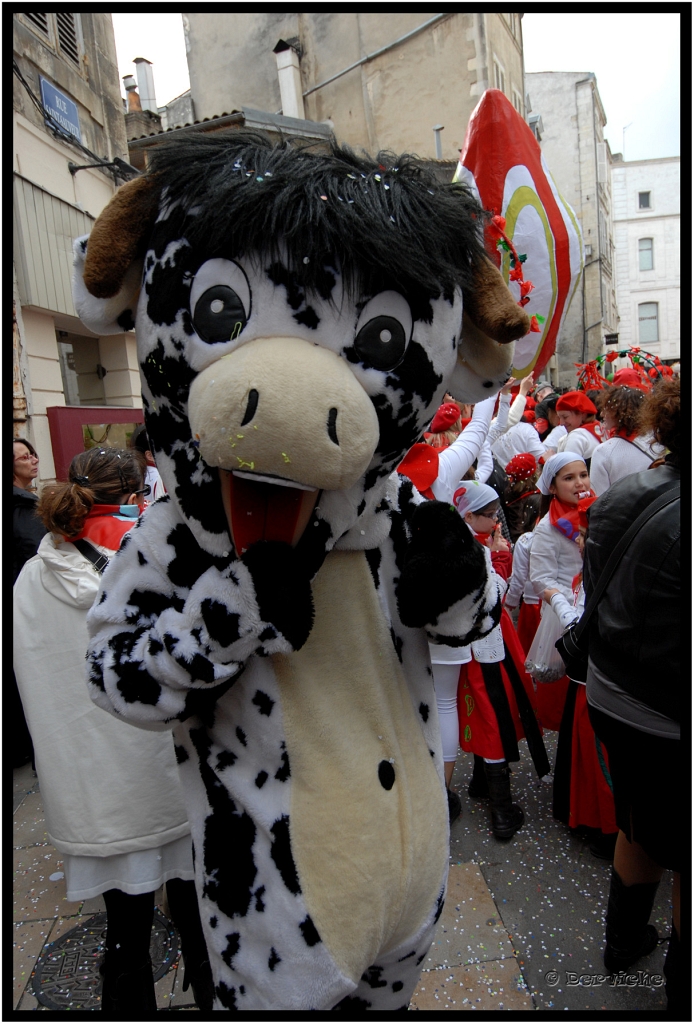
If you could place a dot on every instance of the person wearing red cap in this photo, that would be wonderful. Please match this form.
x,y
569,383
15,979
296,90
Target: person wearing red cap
x,y
521,498
576,412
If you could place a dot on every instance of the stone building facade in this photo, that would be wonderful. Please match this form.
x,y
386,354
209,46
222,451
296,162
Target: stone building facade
x,y
65,65
382,80
578,155
646,198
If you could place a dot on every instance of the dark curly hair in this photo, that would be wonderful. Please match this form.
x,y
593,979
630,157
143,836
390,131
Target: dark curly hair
x,y
99,476
660,414
624,405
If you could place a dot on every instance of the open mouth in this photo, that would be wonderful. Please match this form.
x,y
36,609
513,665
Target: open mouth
x,y
265,507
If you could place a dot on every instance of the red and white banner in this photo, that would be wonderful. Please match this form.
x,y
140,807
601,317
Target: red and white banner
x,y
503,164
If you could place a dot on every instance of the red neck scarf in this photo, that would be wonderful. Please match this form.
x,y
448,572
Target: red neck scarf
x,y
623,433
567,517
592,428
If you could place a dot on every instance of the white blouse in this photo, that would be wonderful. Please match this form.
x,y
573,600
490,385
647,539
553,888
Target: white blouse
x,y
554,562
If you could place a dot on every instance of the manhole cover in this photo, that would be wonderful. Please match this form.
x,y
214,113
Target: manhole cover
x,y
66,976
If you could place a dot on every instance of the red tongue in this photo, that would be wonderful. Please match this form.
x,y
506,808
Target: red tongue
x,y
260,511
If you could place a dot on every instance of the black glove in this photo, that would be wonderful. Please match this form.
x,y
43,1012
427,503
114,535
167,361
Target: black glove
x,y
283,589
443,564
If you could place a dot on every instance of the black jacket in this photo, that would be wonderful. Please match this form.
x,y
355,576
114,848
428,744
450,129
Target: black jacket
x,y
27,528
635,631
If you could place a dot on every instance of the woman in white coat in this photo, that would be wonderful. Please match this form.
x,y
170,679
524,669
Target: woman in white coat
x,y
582,797
111,793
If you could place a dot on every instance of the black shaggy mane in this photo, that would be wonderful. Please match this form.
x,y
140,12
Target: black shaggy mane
x,y
382,221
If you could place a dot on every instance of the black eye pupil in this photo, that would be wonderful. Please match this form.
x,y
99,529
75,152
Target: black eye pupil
x,y
219,315
381,343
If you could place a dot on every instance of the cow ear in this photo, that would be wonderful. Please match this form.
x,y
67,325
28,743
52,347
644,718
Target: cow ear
x,y
483,365
108,263
491,307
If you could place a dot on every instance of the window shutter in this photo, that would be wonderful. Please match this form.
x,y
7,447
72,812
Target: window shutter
x,y
39,21
67,36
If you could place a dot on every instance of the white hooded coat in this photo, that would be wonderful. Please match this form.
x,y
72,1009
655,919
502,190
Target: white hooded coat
x,y
107,788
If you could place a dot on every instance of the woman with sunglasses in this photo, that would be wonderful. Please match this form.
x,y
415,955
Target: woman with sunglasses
x,y
111,793
495,695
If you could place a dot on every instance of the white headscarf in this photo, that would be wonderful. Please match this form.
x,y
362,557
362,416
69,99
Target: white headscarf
x,y
552,467
472,496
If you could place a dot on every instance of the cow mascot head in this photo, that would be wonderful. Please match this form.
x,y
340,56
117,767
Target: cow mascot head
x,y
299,317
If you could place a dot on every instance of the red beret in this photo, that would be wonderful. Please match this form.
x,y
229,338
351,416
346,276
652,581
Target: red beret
x,y
530,403
575,401
529,416
420,465
445,417
521,466
628,378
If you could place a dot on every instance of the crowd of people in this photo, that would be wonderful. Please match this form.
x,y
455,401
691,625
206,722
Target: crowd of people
x,y
548,484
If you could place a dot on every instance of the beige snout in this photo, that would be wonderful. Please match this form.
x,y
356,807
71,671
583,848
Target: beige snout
x,y
284,408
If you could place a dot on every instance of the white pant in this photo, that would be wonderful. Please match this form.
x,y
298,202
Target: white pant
x,y
446,687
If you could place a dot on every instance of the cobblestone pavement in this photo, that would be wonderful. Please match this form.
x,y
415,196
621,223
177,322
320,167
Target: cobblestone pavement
x,y
523,920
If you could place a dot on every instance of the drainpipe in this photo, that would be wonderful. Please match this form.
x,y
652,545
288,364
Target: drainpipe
x,y
289,74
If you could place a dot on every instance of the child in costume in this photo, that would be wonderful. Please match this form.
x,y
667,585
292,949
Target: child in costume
x,y
576,412
582,794
495,696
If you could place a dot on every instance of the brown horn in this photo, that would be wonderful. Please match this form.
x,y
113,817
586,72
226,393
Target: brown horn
x,y
491,306
116,238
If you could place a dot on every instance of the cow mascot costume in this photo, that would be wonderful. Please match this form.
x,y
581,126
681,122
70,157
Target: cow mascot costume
x,y
299,316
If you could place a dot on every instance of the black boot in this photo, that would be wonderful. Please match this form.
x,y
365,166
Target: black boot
x,y
507,817
183,906
454,806
672,969
628,934
478,788
128,992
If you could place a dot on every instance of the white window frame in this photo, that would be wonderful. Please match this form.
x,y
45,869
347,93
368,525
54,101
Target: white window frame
x,y
648,249
517,100
642,319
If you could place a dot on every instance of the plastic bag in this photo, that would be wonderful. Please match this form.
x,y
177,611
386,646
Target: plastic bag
x,y
544,662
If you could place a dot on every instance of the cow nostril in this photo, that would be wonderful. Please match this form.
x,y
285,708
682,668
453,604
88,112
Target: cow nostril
x,y
332,432
251,407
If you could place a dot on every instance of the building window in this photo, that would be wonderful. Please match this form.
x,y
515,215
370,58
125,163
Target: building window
x,y
518,101
645,254
63,32
499,76
648,323
644,200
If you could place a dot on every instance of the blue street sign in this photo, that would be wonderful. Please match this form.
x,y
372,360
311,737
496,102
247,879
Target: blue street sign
x,y
61,109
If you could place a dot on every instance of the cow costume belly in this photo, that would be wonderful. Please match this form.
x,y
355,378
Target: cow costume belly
x,y
274,609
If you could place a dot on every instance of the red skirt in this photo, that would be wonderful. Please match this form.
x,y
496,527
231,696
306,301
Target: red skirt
x,y
479,727
582,794
528,621
550,700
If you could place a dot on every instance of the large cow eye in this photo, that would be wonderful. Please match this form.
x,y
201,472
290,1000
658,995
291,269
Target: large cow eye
x,y
220,301
384,330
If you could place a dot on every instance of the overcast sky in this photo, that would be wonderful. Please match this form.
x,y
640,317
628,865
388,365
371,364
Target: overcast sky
x,y
634,56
